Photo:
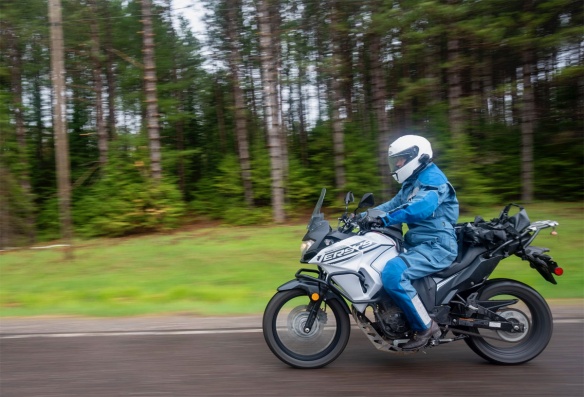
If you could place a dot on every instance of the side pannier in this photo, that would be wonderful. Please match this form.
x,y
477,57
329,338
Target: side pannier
x,y
494,233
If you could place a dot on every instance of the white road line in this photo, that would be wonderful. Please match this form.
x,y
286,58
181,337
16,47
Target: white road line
x,y
183,332
132,333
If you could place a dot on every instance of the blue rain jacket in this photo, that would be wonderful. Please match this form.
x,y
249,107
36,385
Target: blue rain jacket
x,y
427,203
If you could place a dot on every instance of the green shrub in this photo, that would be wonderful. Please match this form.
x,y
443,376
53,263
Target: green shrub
x,y
127,200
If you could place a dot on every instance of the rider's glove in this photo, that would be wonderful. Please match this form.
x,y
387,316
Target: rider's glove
x,y
385,220
368,222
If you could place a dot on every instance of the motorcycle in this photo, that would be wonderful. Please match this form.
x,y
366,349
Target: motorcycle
x,y
306,324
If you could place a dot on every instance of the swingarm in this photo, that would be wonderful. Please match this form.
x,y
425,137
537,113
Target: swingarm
x,y
497,325
486,313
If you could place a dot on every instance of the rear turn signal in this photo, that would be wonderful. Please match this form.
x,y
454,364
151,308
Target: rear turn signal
x,y
558,271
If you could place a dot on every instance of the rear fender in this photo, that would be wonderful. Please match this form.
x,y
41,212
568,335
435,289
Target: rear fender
x,y
313,287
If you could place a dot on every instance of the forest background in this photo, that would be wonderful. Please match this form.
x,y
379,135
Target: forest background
x,y
282,97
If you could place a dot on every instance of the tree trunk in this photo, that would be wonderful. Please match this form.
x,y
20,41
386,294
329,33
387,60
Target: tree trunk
x,y
177,95
102,134
487,99
38,118
275,22
110,74
337,104
5,221
24,174
270,90
455,113
60,124
403,111
16,77
527,127
150,91
220,115
240,109
302,117
379,95
477,96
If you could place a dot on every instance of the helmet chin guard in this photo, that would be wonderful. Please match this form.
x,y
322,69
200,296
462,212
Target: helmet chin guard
x,y
407,154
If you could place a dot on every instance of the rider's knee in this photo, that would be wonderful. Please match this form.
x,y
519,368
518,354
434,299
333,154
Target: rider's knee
x,y
391,275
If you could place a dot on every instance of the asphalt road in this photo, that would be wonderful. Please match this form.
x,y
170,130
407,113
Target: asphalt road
x,y
164,357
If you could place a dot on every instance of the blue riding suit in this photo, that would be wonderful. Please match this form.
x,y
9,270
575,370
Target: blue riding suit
x,y
427,204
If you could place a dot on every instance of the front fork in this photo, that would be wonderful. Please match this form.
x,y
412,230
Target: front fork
x,y
313,309
317,290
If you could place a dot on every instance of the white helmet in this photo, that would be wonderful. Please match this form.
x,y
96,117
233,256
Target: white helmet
x,y
408,154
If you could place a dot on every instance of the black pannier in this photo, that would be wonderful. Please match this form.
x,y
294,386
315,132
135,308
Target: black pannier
x,y
494,233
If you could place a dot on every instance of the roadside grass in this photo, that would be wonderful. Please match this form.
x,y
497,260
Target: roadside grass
x,y
206,271
221,270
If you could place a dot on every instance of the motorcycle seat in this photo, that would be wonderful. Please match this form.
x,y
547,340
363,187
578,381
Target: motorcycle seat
x,y
466,257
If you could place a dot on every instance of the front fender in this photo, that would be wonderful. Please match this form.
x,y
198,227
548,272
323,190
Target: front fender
x,y
313,287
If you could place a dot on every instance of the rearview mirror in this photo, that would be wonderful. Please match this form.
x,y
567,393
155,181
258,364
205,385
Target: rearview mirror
x,y
367,201
349,198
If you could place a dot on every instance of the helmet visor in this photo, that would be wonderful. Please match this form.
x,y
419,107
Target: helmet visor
x,y
398,160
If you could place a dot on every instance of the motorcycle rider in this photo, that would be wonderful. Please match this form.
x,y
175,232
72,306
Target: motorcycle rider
x,y
427,203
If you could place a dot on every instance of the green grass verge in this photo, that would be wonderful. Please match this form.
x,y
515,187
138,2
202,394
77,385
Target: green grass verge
x,y
219,271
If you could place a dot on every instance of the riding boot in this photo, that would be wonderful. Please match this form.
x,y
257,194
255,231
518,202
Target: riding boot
x,y
421,338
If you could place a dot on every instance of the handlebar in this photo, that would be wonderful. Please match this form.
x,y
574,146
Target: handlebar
x,y
367,224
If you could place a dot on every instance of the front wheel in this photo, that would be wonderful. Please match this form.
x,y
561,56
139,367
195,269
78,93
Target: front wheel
x,y
287,337
531,310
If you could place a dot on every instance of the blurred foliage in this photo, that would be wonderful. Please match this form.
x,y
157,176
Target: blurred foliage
x,y
16,210
124,199
200,160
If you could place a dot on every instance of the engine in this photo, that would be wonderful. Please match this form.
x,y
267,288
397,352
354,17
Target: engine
x,y
391,320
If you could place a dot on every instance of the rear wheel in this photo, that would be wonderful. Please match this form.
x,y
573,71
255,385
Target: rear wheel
x,y
287,337
531,310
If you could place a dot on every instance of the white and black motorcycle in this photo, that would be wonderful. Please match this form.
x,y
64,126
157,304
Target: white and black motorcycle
x,y
306,324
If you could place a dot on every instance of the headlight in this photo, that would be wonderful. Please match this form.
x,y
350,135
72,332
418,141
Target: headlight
x,y
305,246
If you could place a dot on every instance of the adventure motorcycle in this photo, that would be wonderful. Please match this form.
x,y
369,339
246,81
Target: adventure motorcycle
x,y
306,323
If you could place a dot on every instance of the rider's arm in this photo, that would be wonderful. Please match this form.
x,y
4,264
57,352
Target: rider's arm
x,y
418,208
392,204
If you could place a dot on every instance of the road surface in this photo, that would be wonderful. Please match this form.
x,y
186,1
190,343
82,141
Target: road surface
x,y
187,356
